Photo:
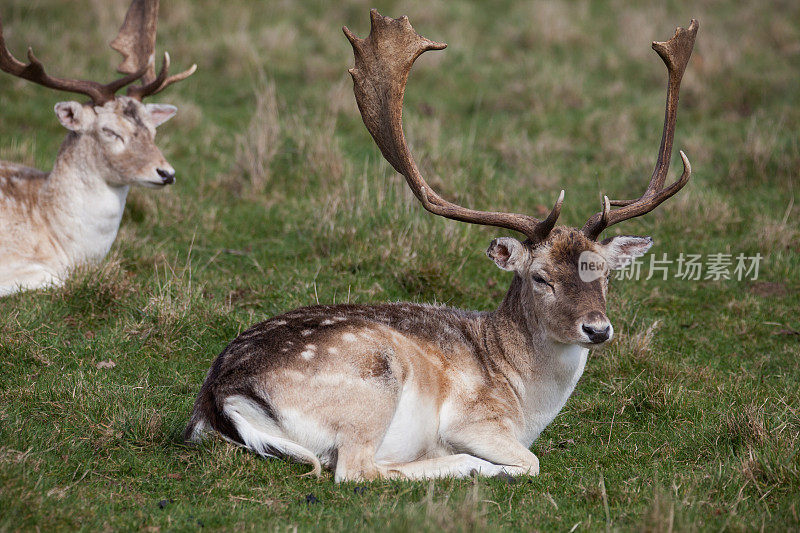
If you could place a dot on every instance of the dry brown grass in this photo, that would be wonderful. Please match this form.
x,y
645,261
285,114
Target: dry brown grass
x,y
745,426
299,135
763,155
256,148
638,344
174,299
21,151
706,208
188,119
638,27
314,136
661,518
469,514
777,235
108,16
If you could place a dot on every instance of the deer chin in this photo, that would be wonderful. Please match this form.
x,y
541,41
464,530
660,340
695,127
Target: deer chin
x,y
592,345
153,184
583,343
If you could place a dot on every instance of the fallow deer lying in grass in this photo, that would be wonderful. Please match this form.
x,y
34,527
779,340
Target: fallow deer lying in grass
x,y
415,390
52,222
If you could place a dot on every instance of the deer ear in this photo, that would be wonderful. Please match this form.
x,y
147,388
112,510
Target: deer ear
x,y
507,253
73,116
160,113
620,250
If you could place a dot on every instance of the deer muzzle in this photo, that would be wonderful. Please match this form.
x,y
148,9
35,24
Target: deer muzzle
x,y
596,328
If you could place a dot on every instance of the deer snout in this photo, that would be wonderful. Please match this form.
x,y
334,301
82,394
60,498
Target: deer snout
x,y
167,174
597,328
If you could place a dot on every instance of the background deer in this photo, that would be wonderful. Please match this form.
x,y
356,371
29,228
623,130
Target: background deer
x,y
423,391
52,222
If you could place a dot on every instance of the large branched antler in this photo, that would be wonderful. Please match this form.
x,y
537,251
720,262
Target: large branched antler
x,y
34,71
382,63
136,42
675,53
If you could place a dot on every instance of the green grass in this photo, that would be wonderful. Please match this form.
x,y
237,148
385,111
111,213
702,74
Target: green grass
x,y
688,421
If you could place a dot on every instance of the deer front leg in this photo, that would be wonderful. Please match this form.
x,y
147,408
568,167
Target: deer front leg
x,y
490,451
498,446
456,466
26,278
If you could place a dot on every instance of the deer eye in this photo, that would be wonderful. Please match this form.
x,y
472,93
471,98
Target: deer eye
x,y
539,279
112,134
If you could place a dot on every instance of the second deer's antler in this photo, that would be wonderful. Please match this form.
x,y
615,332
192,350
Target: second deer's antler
x,y
34,71
136,42
382,63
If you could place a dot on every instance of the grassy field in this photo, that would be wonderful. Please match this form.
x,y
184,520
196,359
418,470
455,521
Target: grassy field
x,y
689,420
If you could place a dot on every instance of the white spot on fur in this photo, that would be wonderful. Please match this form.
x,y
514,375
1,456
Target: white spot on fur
x,y
306,332
279,323
326,322
349,337
332,350
309,352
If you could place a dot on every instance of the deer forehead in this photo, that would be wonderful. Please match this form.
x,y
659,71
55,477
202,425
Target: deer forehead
x,y
125,113
561,252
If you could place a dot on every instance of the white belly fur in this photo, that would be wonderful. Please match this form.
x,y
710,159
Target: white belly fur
x,y
413,432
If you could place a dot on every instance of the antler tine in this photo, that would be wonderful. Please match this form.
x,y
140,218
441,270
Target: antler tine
x,y
383,61
161,82
675,53
34,71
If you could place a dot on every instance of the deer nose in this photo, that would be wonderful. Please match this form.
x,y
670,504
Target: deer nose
x,y
167,175
597,334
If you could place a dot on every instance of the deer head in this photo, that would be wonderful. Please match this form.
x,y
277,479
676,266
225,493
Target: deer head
x,y
120,130
555,298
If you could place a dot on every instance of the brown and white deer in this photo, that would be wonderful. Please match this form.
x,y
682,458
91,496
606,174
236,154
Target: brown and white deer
x,y
52,222
412,390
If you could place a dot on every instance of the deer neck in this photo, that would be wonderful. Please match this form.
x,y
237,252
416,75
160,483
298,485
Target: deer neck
x,y
542,372
84,210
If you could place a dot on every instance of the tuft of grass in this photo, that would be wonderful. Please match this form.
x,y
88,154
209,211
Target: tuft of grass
x,y
745,426
94,292
257,147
